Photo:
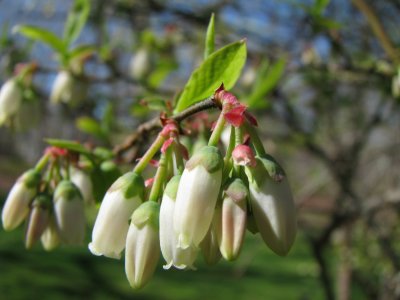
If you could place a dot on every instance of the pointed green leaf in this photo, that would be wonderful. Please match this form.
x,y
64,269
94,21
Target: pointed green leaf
x,y
223,66
267,79
90,126
76,20
210,37
69,145
40,34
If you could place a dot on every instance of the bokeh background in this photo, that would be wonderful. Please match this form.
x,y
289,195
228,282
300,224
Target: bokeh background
x,y
329,113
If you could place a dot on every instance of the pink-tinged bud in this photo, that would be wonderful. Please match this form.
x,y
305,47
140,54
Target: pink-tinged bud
x,y
16,208
197,195
10,100
142,244
140,64
243,155
82,180
68,89
231,220
112,222
273,209
173,255
38,219
209,245
50,238
69,213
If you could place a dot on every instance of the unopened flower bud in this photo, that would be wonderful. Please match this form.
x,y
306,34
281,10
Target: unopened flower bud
x,y
273,209
243,156
68,89
16,208
82,180
142,244
209,245
112,222
231,221
140,64
50,238
38,219
69,213
173,255
197,195
10,100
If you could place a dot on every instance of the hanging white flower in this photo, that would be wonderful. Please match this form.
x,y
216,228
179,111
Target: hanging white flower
x,y
112,222
173,255
69,213
231,219
197,196
17,204
273,208
10,100
142,244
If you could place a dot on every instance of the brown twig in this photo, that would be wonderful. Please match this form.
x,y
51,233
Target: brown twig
x,y
151,125
378,30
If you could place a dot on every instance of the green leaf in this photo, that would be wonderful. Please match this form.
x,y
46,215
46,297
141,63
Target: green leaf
x,y
210,37
223,66
69,145
76,20
267,79
320,5
90,126
42,35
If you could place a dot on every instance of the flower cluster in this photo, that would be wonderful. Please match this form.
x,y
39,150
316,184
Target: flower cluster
x,y
53,198
202,206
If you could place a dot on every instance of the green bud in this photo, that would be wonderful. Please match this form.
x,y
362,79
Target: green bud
x,y
147,213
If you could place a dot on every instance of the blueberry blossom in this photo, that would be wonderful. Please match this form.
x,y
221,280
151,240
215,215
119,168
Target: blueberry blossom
x,y
17,204
173,255
10,100
273,208
142,244
69,213
197,196
112,222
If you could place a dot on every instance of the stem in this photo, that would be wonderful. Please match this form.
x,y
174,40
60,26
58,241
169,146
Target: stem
x,y
159,178
216,134
177,161
42,162
228,155
144,161
255,139
238,141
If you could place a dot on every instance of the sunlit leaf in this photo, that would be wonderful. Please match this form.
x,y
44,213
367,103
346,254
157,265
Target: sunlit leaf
x,y
90,126
210,37
42,35
267,79
224,65
81,51
76,20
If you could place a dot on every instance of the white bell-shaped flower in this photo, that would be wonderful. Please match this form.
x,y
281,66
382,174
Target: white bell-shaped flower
x,y
173,255
68,89
10,100
142,244
82,180
231,219
38,219
69,213
273,208
140,64
112,222
50,238
17,204
197,196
